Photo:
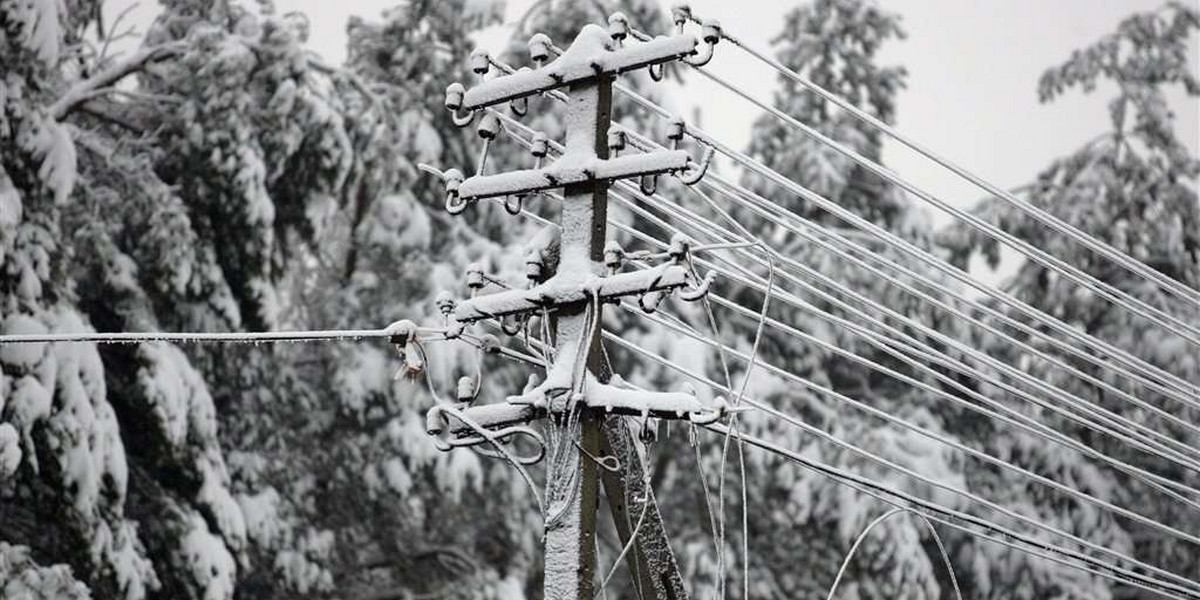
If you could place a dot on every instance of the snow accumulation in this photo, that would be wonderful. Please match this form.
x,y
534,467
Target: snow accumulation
x,y
568,288
590,55
22,358
211,563
570,169
625,400
178,399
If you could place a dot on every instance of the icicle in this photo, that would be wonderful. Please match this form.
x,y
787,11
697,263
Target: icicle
x,y
616,141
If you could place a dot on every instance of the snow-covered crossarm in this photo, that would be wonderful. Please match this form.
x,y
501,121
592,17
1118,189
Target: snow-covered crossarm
x,y
556,292
618,397
660,405
494,416
567,171
590,56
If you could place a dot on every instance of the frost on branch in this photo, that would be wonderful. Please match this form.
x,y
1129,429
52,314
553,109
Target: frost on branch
x,y
23,579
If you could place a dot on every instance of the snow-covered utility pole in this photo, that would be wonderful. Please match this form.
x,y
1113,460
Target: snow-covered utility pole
x,y
573,272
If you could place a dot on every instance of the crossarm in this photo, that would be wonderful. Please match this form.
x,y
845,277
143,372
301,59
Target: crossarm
x,y
589,57
557,293
567,170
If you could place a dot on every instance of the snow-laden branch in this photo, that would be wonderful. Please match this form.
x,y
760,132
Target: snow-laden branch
x,y
90,87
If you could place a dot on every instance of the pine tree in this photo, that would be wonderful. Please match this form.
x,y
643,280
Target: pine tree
x,y
243,184
1133,187
835,44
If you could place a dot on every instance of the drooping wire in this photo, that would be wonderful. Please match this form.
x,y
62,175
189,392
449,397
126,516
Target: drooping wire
x,y
880,519
965,522
906,471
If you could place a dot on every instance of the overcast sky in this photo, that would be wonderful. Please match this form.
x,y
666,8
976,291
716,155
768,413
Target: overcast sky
x,y
973,70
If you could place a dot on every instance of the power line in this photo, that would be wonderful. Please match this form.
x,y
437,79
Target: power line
x,y
856,253
1124,423
811,232
1047,219
251,337
956,519
1153,448
1070,399
907,247
891,465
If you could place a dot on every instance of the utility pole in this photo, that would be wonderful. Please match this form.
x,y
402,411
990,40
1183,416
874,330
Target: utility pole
x,y
584,405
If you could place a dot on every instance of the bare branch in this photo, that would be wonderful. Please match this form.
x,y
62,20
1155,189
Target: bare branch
x,y
82,90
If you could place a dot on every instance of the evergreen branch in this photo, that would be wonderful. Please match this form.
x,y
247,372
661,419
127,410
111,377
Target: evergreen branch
x,y
83,90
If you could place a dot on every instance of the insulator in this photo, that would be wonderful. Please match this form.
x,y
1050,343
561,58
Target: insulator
x,y
489,126
679,247
445,303
675,130
402,332
519,106
481,61
649,301
540,145
465,391
454,95
453,178
475,279
435,421
710,32
616,140
535,266
614,256
618,26
681,13
539,48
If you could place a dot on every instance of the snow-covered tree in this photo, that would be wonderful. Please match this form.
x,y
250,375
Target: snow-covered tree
x,y
795,513
223,177
1133,187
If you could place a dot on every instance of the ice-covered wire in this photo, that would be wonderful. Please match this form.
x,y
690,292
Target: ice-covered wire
x,y
820,433
880,519
1120,393
508,455
1180,389
1045,218
968,523
620,341
907,247
1155,481
856,253
1126,427
1018,420
1134,305
251,337
1141,474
